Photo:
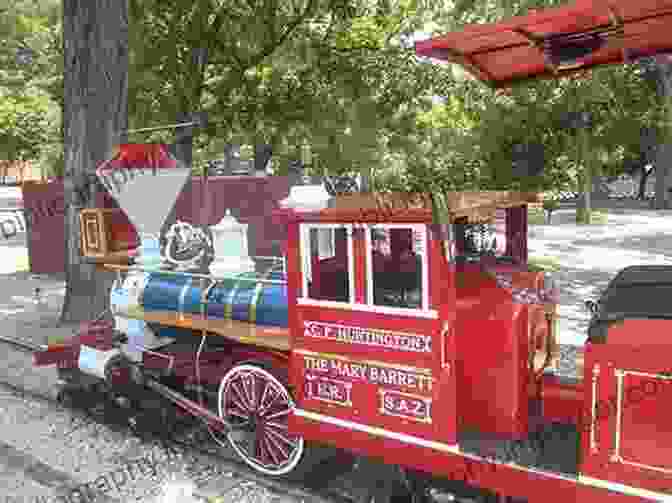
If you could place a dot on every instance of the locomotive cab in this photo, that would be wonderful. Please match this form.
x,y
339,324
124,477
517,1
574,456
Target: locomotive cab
x,y
404,331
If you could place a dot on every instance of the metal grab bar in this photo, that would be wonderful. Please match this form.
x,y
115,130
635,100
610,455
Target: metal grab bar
x,y
258,278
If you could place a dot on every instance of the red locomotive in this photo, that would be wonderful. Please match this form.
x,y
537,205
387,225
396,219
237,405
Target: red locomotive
x,y
381,333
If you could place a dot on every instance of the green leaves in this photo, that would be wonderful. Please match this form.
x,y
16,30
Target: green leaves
x,y
30,83
24,127
337,78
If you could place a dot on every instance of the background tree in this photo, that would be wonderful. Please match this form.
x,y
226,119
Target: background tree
x,y
29,107
662,74
200,55
95,35
345,91
618,99
297,77
24,126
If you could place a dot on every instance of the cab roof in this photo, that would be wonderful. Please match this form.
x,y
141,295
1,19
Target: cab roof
x,y
395,207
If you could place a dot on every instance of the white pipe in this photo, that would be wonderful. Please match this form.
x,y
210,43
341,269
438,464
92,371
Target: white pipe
x,y
158,128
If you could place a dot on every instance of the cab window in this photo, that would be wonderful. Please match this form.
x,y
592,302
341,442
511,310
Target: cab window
x,y
397,263
482,242
327,263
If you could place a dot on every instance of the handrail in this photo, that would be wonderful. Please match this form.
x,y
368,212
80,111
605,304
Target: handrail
x,y
263,257
135,268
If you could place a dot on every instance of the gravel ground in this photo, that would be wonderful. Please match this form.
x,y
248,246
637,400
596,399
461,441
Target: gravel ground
x,y
80,454
49,453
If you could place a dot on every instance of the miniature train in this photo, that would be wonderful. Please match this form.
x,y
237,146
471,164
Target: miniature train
x,y
367,334
382,333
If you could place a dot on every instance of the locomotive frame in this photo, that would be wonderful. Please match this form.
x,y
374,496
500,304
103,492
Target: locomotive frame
x,y
397,374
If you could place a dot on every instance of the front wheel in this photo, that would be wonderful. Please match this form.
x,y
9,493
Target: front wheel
x,y
258,406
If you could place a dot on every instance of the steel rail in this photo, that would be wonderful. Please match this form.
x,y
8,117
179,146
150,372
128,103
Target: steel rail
x,y
23,345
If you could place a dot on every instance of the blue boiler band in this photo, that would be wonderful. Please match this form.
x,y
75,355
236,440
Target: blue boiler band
x,y
242,298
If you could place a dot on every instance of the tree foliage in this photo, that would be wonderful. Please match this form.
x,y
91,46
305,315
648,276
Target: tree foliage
x,y
336,83
30,79
24,126
328,80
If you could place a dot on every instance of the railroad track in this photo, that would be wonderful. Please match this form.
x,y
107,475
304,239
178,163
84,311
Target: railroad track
x,y
192,440
24,346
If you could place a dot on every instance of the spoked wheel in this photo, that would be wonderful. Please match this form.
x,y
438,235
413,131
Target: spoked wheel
x,y
258,406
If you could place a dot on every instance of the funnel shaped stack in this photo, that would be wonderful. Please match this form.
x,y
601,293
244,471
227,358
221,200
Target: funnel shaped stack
x,y
145,180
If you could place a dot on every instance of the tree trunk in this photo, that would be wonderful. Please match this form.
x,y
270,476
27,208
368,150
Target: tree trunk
x,y
662,161
584,205
184,137
664,152
365,128
95,47
184,140
641,193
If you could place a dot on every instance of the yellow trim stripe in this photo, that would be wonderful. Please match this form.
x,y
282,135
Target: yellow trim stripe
x,y
228,305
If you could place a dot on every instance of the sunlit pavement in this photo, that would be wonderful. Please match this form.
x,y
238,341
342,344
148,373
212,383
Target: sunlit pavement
x,y
13,259
589,256
10,197
13,251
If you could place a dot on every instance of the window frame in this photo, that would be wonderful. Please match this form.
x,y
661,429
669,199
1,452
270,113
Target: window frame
x,y
368,306
331,240
421,229
306,266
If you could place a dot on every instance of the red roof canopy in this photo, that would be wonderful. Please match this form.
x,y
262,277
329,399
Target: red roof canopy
x,y
527,47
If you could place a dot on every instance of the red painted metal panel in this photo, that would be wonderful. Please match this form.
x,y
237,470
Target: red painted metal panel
x,y
562,402
504,479
516,233
294,279
44,205
629,436
491,349
644,332
626,431
359,248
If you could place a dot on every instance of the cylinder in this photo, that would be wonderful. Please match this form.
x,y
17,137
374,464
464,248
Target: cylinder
x,y
97,363
242,298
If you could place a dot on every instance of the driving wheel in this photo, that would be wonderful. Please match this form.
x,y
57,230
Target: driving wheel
x,y
258,405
